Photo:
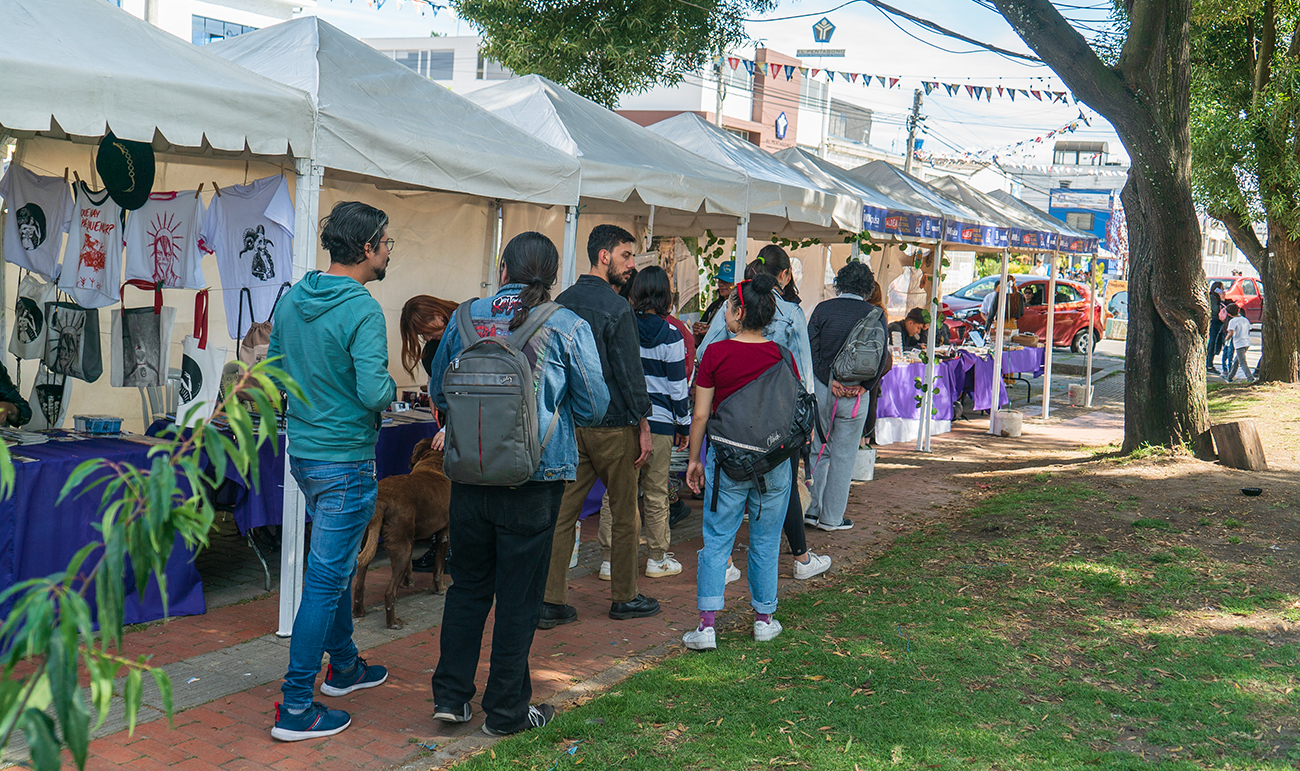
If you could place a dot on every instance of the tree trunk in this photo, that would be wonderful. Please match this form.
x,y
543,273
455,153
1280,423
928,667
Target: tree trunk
x,y
1147,98
1280,272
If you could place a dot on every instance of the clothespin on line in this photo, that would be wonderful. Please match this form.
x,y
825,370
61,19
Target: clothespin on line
x,y
200,190
217,188
65,175
76,176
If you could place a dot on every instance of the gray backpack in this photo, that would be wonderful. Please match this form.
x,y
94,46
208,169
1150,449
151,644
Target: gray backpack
x,y
861,359
492,425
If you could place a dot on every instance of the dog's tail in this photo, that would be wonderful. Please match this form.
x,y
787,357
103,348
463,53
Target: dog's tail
x,y
370,543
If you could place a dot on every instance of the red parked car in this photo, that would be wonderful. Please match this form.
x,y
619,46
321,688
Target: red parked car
x,y
1247,293
1071,326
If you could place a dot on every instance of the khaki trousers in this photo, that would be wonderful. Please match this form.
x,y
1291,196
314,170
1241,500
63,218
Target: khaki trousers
x,y
654,492
608,454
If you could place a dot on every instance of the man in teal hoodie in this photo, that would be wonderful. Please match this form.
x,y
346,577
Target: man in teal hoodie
x,y
331,336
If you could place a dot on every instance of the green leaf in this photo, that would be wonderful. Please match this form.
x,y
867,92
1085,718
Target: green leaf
x,y
132,691
6,472
38,728
74,718
102,674
78,475
164,684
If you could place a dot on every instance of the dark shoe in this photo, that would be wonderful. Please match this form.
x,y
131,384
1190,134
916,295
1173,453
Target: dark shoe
x,y
554,615
640,606
451,714
809,521
677,512
538,716
317,721
362,675
424,563
1212,370
845,524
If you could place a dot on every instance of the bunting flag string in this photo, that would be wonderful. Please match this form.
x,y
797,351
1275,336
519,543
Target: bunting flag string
x,y
889,82
993,154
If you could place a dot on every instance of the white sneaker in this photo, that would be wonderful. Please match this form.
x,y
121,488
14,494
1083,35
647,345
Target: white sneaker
x,y
705,639
662,568
764,631
815,566
577,539
604,571
733,574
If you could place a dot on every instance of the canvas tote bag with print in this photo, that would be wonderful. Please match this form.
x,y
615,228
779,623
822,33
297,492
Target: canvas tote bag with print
x,y
28,341
48,399
140,339
72,342
257,340
201,364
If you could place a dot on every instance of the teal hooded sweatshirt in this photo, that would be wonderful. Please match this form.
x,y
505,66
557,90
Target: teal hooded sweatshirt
x,y
330,335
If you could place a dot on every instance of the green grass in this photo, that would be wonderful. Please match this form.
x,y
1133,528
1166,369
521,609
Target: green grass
x,y
954,651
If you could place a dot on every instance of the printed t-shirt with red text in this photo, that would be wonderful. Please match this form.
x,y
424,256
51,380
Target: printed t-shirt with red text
x,y
92,257
730,365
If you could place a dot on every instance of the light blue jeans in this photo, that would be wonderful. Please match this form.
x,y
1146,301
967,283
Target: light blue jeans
x,y
1228,356
766,516
340,501
833,466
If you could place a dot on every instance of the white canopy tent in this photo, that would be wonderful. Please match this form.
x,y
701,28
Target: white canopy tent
x,y
379,126
626,169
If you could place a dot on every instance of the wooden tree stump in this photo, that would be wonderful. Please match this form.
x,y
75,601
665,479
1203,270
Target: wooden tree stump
x,y
1239,446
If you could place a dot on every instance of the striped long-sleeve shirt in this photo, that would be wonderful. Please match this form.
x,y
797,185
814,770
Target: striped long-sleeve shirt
x,y
663,357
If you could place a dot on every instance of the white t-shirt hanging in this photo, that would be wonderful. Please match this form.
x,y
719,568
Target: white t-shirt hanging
x,y
162,240
250,229
39,209
92,259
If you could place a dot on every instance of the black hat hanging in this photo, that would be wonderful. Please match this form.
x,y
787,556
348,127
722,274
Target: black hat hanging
x,y
127,169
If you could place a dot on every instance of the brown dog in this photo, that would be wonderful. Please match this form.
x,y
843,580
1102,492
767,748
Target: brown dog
x,y
409,507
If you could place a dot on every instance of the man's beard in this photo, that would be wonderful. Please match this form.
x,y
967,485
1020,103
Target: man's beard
x,y
617,278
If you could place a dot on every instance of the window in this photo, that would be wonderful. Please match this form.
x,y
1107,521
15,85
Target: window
x,y
1067,294
490,69
742,134
207,30
813,94
1248,288
1079,220
979,289
436,65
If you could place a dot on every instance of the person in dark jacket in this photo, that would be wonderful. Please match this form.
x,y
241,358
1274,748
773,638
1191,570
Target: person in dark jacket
x,y
1214,342
613,449
915,330
14,410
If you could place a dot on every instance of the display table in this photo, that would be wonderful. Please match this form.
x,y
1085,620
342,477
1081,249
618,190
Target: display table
x,y
38,537
979,381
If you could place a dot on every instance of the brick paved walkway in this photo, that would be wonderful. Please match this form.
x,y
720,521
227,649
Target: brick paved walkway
x,y
221,724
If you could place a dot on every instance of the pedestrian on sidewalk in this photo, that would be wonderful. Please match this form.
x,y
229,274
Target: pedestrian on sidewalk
x,y
843,406
1214,341
726,368
616,447
788,328
1239,335
664,360
330,337
500,534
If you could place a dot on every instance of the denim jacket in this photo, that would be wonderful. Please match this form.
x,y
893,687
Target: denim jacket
x,y
566,369
788,327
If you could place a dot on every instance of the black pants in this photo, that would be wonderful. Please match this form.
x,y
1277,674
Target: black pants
x,y
794,513
501,539
1214,341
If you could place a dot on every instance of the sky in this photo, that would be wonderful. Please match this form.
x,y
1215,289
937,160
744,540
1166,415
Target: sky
x,y
873,45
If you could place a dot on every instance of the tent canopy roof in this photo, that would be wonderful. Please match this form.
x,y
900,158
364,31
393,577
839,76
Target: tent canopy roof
x,y
990,209
1049,222
917,195
828,173
618,157
381,120
775,187
81,68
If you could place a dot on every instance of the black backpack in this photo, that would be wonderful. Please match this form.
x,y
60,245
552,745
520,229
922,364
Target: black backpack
x,y
760,426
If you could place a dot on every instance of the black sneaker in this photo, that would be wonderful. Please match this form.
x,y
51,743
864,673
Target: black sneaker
x,y
538,716
810,521
452,715
317,721
677,511
845,524
553,615
640,606
424,563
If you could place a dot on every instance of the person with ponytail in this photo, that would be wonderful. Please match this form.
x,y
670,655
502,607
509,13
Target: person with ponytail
x,y
788,327
726,367
502,535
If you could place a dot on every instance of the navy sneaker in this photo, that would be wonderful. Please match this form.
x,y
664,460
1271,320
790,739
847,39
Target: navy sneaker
x,y
452,715
363,675
538,716
316,721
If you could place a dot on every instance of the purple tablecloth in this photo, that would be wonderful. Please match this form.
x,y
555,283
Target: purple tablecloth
x,y
898,390
1028,360
37,537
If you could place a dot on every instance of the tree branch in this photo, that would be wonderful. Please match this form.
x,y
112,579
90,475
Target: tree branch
x,y
1267,45
1243,235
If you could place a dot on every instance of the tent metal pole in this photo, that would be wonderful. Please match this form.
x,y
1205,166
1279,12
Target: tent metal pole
x,y
995,403
498,233
936,318
1092,338
650,228
306,218
4,303
742,246
1051,330
569,259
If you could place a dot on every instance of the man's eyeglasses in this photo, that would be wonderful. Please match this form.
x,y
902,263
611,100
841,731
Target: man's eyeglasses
x,y
390,243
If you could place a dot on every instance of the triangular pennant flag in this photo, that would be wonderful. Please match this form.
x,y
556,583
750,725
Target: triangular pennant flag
x,y
789,71
749,67
881,79
970,91
999,91
803,72
988,93
830,75
1036,94
815,71
1011,92
734,61
775,69
893,82
853,77
951,88
928,87
1062,96
1023,92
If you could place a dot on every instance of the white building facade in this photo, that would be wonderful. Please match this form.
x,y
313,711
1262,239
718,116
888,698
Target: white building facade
x,y
204,21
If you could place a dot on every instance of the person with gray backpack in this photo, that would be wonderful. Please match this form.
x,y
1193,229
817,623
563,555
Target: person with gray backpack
x,y
515,373
850,354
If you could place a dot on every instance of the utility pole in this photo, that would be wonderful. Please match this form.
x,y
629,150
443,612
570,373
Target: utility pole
x,y
913,123
717,110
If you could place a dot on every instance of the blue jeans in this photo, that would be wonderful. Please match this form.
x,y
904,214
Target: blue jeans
x,y
1228,349
340,501
766,516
